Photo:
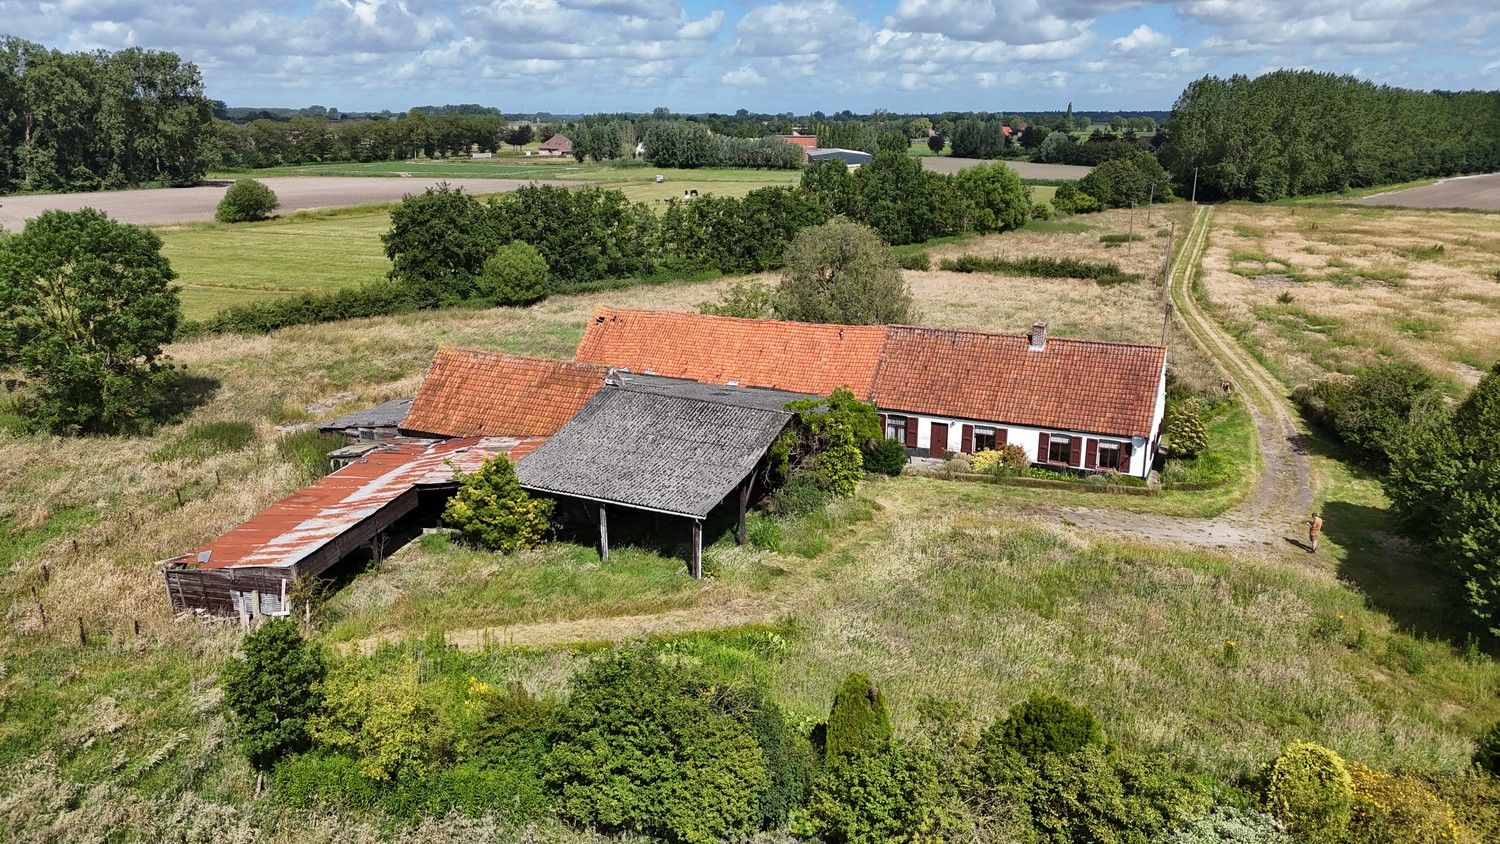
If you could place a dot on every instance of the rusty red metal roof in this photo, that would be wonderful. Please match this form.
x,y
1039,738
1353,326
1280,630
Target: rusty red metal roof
x,y
304,522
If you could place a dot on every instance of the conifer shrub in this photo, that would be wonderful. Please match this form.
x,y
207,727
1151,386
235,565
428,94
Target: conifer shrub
x,y
885,457
1228,825
272,690
886,793
491,510
1308,789
859,719
246,200
515,275
1092,797
1395,809
1044,725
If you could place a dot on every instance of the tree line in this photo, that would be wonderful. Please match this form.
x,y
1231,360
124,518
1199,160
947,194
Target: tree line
x,y
1291,133
99,120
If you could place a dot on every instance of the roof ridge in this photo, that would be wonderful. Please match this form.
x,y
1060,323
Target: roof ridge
x,y
1050,339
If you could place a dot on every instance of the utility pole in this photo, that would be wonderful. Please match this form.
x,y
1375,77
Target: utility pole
x,y
1166,265
1195,185
1166,321
1149,203
1130,232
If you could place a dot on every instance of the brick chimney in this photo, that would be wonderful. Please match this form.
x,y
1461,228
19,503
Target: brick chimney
x,y
1038,336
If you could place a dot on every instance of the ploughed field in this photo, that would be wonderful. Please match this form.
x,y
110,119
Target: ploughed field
x,y
1481,193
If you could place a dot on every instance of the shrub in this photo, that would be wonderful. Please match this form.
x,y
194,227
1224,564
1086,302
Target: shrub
x,y
1371,409
1474,796
919,260
1186,434
635,747
885,457
826,445
858,720
1227,825
86,305
584,234
373,298
492,511
1090,797
335,781
1041,211
1309,789
272,690
1487,751
743,299
386,721
246,200
515,275
1108,273
1069,199
1395,809
1043,725
1007,460
841,272
789,759
800,495
882,794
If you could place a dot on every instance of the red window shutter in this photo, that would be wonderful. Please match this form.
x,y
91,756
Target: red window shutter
x,y
1075,451
1043,440
1001,435
966,445
1125,458
882,425
1091,453
911,432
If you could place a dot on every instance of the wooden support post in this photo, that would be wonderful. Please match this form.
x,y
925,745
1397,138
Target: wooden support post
x,y
739,534
83,638
695,565
603,534
137,628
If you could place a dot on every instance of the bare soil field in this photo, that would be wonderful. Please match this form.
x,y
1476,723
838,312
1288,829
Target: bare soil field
x,y
1482,193
1024,169
156,206
1319,289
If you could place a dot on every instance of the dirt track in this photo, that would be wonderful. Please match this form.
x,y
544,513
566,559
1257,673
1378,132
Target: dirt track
x,y
187,205
1024,169
1482,193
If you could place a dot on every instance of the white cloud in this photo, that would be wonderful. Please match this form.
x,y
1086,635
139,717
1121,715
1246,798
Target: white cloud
x,y
742,75
1142,39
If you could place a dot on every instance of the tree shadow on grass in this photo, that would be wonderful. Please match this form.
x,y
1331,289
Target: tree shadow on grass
x,y
186,392
1400,578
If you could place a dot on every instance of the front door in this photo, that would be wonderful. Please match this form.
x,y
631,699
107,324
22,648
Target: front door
x,y
938,446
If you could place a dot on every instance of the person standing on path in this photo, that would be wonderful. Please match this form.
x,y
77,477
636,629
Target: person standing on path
x,y
1314,530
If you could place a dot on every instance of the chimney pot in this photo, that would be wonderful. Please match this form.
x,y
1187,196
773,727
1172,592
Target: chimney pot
x,y
1038,336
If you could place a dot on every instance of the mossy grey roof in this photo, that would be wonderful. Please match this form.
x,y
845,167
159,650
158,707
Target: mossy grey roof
x,y
643,449
384,415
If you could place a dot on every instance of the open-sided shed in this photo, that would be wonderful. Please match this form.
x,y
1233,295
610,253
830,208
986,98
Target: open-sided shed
x,y
659,445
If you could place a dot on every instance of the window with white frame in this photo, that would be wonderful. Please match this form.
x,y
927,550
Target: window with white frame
x,y
1109,456
895,428
1059,449
984,438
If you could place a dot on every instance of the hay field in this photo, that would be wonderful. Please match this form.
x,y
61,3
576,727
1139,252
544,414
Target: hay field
x,y
1321,288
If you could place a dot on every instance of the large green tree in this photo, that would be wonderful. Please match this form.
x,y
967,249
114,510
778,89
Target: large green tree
x,y
842,272
438,242
86,305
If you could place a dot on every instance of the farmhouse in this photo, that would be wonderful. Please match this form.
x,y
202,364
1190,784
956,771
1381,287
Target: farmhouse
x,y
1076,405
557,145
672,416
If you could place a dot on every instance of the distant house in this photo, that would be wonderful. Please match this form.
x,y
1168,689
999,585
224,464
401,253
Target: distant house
x,y
1078,405
807,142
557,145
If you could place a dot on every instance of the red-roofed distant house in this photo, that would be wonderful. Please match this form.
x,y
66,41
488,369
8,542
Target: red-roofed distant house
x,y
1070,404
555,146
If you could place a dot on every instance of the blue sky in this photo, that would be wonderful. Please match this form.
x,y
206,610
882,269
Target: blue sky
x,y
720,55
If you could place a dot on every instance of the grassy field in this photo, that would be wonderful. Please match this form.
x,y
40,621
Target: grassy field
x,y
1315,289
935,587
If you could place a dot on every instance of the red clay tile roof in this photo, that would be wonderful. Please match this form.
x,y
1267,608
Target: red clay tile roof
x,y
801,357
1073,385
469,393
301,524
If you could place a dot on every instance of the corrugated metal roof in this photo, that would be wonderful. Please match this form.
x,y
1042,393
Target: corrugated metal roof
x,y
299,525
654,452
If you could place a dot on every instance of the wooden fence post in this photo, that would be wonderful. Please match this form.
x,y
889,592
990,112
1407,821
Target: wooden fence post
x,y
82,637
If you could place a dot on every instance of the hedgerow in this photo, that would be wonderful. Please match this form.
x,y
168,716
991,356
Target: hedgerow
x,y
1105,274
